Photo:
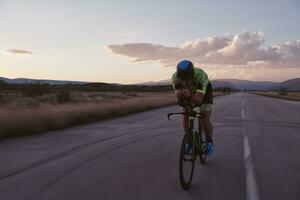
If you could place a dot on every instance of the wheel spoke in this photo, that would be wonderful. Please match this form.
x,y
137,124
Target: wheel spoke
x,y
186,164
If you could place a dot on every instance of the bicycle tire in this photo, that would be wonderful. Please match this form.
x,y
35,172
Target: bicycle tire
x,y
185,184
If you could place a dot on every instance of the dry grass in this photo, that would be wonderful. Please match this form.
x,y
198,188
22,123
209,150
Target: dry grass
x,y
17,120
294,96
218,93
17,100
26,116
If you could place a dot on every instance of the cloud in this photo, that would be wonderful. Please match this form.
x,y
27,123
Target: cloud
x,y
19,51
241,49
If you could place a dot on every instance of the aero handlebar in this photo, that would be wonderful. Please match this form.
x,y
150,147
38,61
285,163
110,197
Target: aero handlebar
x,y
192,114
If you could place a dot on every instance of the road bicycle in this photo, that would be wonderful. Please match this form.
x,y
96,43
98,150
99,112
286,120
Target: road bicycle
x,y
198,146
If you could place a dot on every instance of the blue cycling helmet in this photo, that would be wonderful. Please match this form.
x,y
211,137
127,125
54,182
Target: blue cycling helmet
x,y
185,70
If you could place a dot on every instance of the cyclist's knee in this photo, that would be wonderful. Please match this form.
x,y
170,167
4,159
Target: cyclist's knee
x,y
205,118
202,119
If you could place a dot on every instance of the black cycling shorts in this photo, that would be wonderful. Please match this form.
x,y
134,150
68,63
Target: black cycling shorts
x,y
208,96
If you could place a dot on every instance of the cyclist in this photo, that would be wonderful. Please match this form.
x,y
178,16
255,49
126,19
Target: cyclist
x,y
191,84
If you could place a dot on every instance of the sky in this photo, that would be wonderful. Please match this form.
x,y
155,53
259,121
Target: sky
x,y
133,41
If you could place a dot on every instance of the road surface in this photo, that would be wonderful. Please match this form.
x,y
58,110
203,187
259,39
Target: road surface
x,y
257,142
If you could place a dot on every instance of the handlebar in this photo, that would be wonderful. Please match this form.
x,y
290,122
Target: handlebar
x,y
185,102
191,114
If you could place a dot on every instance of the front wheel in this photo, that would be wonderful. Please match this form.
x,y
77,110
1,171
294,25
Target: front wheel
x,y
186,162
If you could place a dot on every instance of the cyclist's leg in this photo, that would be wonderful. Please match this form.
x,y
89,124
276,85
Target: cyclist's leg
x,y
208,130
185,119
206,123
206,110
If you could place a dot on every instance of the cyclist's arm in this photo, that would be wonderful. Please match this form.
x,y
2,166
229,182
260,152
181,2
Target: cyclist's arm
x,y
178,93
179,96
197,98
178,90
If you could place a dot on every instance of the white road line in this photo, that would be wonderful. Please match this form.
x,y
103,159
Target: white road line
x,y
243,110
251,187
243,114
246,147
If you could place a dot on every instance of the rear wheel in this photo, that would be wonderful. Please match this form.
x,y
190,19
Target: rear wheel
x,y
186,162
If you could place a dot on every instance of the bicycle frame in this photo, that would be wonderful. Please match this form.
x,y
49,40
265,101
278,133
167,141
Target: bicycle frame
x,y
192,115
200,144
198,147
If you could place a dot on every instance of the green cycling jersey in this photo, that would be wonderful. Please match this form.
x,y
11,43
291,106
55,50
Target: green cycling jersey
x,y
199,82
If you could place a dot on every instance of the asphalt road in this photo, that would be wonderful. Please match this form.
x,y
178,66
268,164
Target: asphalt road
x,y
257,142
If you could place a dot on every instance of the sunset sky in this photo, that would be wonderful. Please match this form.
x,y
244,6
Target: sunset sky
x,y
139,41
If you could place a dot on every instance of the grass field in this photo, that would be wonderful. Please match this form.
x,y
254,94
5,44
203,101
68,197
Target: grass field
x,y
21,116
294,96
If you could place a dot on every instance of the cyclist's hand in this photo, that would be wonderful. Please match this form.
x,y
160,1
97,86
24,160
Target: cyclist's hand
x,y
180,97
187,93
179,94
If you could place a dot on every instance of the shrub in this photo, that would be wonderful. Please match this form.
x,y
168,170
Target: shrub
x,y
63,96
35,89
3,84
282,91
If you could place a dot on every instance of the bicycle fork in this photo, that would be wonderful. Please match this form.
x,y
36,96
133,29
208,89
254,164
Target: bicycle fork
x,y
194,136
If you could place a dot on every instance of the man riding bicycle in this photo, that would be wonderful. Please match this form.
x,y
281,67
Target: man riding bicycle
x,y
193,86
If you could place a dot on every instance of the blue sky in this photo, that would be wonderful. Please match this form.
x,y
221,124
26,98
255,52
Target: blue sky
x,y
69,40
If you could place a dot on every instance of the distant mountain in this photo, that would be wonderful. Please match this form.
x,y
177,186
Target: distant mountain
x,y
163,82
222,84
215,83
250,85
292,84
52,82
